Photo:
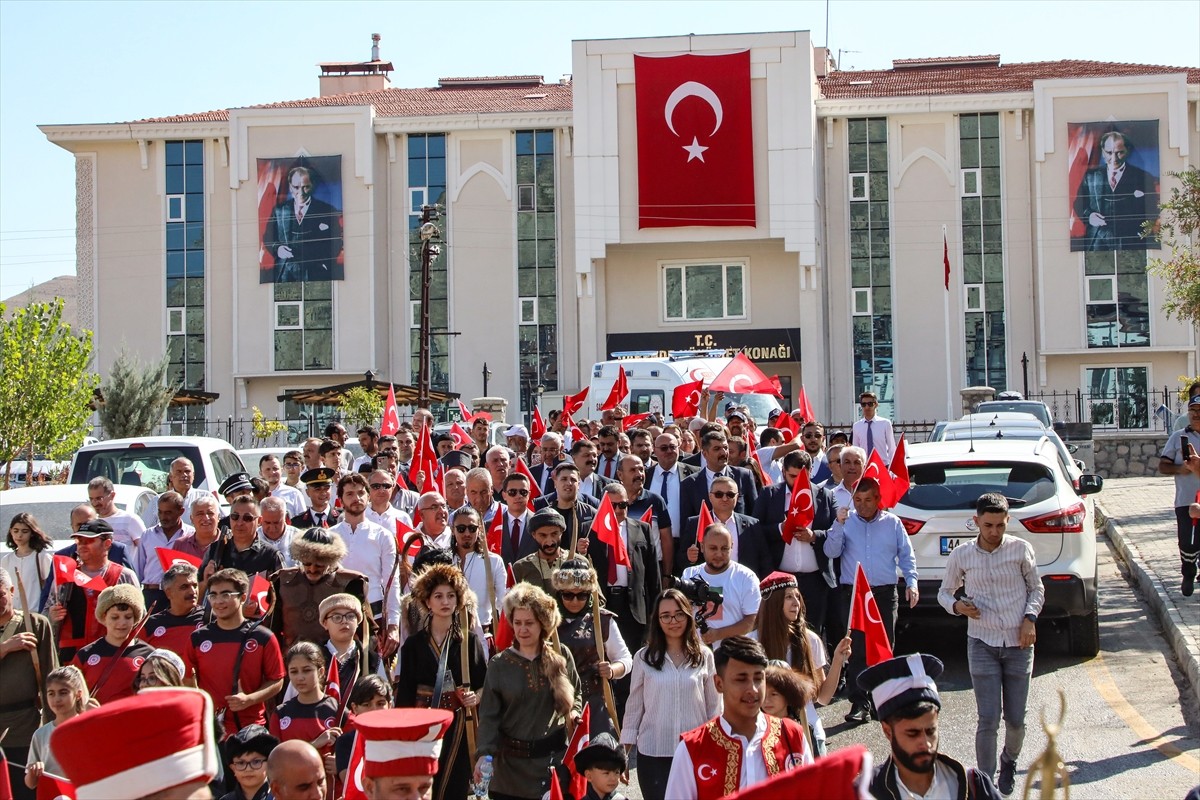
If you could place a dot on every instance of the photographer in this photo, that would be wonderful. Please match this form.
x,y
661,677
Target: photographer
x,y
726,595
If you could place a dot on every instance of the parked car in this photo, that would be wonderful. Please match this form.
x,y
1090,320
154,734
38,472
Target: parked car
x,y
1047,510
51,506
1009,425
1035,407
146,461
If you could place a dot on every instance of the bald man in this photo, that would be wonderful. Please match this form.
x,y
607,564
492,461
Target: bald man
x,y
296,772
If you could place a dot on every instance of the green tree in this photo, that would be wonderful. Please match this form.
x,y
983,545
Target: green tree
x,y
136,396
1180,225
262,428
361,406
46,385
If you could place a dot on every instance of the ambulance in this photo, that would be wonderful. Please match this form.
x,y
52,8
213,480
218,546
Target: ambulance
x,y
652,379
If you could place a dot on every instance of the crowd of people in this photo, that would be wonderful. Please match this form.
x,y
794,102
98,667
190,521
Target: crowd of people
x,y
350,631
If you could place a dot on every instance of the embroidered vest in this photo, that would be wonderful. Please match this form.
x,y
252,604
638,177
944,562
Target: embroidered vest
x,y
717,757
81,626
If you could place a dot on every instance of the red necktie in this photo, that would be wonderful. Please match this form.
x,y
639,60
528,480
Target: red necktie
x,y
515,537
608,469
1113,181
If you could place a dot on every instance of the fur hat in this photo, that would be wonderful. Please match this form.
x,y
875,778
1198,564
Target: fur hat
x,y
125,593
318,546
340,601
575,574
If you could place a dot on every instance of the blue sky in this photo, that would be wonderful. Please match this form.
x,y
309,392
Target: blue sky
x,y
68,62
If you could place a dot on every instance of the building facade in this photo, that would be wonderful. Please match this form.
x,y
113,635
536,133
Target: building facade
x,y
809,221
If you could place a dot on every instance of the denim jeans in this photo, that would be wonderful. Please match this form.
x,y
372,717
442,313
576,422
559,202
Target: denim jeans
x,y
1000,676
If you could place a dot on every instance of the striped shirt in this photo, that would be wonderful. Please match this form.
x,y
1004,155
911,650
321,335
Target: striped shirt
x,y
664,703
1004,585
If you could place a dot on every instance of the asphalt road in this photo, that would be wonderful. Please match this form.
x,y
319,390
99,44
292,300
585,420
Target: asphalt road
x,y
1128,733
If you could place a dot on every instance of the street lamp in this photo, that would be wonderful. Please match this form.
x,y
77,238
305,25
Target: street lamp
x,y
429,249
487,376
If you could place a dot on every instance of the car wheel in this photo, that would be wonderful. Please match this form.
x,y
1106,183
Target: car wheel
x,y
1084,632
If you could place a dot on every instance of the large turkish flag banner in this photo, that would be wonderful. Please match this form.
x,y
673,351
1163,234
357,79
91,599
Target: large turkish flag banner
x,y
695,148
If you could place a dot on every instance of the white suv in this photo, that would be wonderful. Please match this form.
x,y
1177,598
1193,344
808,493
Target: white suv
x,y
145,461
1046,510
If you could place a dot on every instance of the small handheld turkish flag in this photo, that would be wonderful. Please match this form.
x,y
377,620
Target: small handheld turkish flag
x,y
753,451
805,407
648,515
877,470
425,460
169,558
354,773
580,738
495,533
459,435
899,468
52,787
333,683
391,414
787,426
607,530
523,468
403,531
703,520
844,774
864,616
260,590
574,402
504,633
620,391
800,511
539,425
65,570
632,420
685,400
740,375
464,411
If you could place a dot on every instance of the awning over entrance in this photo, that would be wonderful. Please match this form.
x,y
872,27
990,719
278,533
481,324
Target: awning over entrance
x,y
331,395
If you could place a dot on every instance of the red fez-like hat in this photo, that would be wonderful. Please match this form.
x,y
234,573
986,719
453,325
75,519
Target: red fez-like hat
x,y
166,738
399,742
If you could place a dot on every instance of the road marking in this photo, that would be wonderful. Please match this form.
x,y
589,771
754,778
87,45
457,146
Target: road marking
x,y
1105,686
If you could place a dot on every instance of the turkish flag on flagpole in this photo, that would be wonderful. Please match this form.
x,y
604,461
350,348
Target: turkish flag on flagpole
x,y
260,590
619,392
864,616
805,407
168,558
787,426
403,531
695,141
523,468
740,375
632,420
877,470
66,570
463,411
539,425
556,787
52,787
391,414
580,738
606,529
425,460
801,511
703,520
899,469
459,434
333,682
495,533
685,400
770,385
354,772
574,402
750,446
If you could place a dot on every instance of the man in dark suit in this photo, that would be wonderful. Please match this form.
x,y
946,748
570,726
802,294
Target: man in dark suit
x,y
805,556
586,458
628,592
577,512
1114,199
632,474
608,440
303,234
746,534
551,447
517,539
693,491
321,513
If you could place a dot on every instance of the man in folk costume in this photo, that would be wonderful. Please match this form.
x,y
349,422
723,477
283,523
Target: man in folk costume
x,y
400,751
167,750
299,590
906,697
742,746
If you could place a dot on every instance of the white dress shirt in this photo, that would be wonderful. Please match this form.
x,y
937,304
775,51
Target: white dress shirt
x,y
295,500
664,703
371,550
669,494
882,437
475,572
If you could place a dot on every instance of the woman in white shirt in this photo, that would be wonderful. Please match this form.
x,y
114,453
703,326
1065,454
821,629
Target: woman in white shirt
x,y
786,637
672,691
31,559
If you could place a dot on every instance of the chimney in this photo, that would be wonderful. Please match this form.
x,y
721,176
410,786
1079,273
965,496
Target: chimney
x,y
344,77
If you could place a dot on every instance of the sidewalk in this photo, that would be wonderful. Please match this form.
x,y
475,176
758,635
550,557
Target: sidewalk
x,y
1141,526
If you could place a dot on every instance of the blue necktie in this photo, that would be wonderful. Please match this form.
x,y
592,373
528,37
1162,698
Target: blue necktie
x,y
870,438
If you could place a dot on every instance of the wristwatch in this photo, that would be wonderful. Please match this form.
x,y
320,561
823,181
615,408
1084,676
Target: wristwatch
x,y
1032,618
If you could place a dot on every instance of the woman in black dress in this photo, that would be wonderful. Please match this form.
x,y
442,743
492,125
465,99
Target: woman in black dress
x,y
435,653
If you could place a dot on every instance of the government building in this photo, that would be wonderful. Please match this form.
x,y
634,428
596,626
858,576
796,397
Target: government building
x,y
948,222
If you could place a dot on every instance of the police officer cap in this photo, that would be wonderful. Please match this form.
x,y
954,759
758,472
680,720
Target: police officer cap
x,y
317,475
237,482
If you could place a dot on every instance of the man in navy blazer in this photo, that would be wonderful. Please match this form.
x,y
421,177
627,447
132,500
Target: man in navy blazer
x,y
750,547
805,556
714,449
632,596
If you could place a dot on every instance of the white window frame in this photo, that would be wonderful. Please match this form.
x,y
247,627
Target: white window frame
x,y
1110,279
866,187
968,306
182,217
299,304
977,174
182,329
863,291
415,209
526,197
530,303
414,307
725,264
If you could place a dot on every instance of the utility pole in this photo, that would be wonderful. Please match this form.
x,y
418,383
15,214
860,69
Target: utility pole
x,y
429,250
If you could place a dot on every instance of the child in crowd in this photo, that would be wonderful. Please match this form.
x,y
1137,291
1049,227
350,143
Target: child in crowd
x,y
602,762
311,715
789,695
67,696
371,693
108,669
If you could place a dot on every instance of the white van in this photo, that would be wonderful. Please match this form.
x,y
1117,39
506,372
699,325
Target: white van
x,y
652,380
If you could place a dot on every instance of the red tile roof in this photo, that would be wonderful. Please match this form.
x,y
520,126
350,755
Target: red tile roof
x,y
489,98
974,75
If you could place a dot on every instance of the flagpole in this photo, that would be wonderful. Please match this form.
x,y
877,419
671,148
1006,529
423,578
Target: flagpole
x,y
946,319
853,598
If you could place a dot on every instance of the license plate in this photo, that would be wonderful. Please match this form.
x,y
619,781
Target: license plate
x,y
951,542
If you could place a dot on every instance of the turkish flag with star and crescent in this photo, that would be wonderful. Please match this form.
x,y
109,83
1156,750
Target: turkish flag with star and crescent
x,y
685,400
864,616
694,139
800,512
741,375
390,424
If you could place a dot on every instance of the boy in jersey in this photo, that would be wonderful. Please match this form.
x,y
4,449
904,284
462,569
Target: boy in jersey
x,y
109,665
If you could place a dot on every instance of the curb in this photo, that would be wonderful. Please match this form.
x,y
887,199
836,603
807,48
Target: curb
x,y
1174,628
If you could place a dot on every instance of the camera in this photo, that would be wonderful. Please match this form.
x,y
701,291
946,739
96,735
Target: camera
x,y
701,595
